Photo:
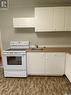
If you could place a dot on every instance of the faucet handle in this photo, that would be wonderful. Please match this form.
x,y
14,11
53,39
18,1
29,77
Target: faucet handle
x,y
36,45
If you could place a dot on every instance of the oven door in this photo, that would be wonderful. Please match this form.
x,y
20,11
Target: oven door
x,y
14,61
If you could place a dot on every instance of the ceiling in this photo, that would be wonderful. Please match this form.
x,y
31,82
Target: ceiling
x,y
52,2
38,3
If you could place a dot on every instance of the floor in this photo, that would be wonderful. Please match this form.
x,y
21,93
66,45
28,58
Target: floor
x,y
34,85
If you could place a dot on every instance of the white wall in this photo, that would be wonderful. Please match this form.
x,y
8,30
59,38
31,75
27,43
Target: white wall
x,y
0,39
25,8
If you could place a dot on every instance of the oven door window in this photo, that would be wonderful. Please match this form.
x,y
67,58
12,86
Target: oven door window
x,y
14,60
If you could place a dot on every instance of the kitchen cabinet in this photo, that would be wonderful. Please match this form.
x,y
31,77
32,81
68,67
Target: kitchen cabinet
x,y
44,19
49,19
42,63
67,18
68,66
59,19
55,63
35,63
23,22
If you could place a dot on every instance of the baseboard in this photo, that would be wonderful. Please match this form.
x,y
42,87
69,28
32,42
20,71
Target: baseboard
x,y
46,75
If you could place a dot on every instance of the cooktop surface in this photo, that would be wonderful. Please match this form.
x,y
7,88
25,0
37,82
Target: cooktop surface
x,y
11,49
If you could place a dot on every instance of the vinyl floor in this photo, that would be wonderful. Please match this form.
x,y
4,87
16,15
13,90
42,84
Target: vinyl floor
x,y
34,85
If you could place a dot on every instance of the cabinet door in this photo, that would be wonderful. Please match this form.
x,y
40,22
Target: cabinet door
x,y
59,18
43,19
23,22
67,18
35,64
68,66
55,63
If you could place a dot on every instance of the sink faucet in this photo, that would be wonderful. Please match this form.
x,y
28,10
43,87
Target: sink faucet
x,y
36,45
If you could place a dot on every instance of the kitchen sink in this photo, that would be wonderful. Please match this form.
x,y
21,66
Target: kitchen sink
x,y
35,49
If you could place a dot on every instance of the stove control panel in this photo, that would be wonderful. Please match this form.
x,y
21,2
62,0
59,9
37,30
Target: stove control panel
x,y
19,44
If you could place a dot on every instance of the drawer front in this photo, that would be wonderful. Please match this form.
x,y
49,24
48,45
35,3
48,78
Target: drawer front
x,y
15,74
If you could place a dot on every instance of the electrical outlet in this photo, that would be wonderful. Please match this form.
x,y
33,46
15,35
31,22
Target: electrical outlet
x,y
4,4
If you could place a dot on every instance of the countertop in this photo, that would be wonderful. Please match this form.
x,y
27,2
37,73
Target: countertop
x,y
50,49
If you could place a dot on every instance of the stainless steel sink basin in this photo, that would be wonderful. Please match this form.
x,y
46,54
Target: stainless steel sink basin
x,y
37,49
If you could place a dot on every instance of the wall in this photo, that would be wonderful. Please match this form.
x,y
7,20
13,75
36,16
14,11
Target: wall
x,y
0,39
25,8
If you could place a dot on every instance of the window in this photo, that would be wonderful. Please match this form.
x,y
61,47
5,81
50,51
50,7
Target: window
x,y
3,4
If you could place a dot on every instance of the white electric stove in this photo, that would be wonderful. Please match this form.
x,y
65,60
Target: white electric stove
x,y
15,59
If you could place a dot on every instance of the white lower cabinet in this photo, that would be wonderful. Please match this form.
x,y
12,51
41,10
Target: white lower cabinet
x,y
68,66
35,63
55,63
42,63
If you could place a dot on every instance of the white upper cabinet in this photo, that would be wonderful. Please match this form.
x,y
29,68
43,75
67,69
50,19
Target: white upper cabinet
x,y
23,23
44,19
67,18
52,19
49,19
59,19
